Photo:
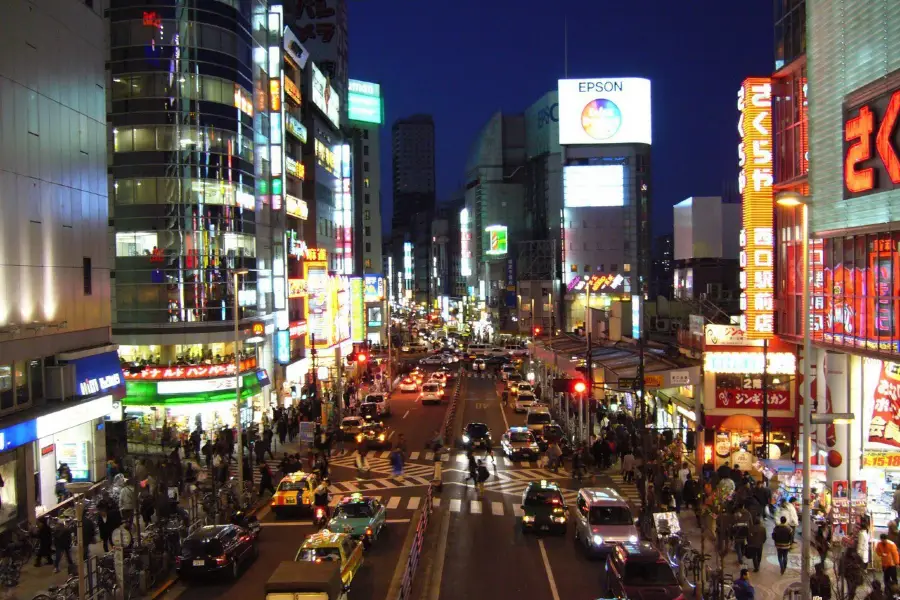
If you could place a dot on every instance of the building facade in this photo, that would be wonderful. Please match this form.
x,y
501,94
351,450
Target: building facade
x,y
60,379
412,144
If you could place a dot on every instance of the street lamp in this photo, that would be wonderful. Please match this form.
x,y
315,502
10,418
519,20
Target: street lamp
x,y
237,381
793,200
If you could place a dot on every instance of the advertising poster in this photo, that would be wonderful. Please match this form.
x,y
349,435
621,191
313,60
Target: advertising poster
x,y
884,428
319,321
374,288
75,454
342,302
840,498
357,310
604,111
859,496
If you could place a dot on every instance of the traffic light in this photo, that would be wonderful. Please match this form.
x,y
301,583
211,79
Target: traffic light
x,y
537,330
578,386
361,357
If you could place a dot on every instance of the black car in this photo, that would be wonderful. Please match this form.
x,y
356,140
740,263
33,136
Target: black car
x,y
477,435
215,549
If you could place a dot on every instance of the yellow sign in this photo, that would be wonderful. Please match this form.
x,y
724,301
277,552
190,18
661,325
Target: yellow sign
x,y
317,254
296,207
292,91
297,288
881,458
275,95
295,168
653,381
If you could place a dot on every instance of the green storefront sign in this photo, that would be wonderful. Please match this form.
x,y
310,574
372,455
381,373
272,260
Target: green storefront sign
x,y
147,393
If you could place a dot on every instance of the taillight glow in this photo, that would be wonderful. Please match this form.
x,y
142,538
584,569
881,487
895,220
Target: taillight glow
x,y
221,560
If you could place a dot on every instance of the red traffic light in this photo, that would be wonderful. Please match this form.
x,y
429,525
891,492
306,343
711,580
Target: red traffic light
x,y
361,357
579,387
537,331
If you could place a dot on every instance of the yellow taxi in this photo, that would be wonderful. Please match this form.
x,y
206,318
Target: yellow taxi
x,y
328,546
294,494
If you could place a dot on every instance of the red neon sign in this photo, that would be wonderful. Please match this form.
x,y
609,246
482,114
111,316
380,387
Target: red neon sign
x,y
151,373
876,118
152,19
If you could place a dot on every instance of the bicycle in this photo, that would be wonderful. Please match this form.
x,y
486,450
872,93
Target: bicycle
x,y
67,591
720,586
10,571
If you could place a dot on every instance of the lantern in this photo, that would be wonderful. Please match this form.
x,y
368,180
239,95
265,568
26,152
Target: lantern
x,y
834,459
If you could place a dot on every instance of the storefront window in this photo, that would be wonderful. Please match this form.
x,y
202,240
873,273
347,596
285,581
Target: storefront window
x,y
9,508
21,383
36,377
7,398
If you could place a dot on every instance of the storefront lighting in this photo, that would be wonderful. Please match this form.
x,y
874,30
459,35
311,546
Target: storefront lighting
x,y
750,363
323,374
832,418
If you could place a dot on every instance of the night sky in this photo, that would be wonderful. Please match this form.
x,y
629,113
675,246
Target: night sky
x,y
464,60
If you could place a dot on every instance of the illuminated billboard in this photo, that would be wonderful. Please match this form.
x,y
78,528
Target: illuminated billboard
x,y
757,258
593,185
604,111
465,243
498,241
357,310
374,288
324,96
296,207
364,103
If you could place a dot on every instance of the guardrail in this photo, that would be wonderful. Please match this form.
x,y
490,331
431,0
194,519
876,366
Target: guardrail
x,y
447,432
412,561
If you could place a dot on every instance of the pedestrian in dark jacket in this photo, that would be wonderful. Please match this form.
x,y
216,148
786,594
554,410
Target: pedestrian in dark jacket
x,y
62,541
265,479
783,536
820,583
741,520
763,496
755,542
45,539
107,522
742,588
852,569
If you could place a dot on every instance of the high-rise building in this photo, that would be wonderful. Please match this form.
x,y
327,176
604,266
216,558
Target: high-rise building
x,y
412,144
661,269
60,378
365,110
195,191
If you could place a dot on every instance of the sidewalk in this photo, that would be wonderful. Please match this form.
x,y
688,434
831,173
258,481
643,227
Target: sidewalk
x,y
35,580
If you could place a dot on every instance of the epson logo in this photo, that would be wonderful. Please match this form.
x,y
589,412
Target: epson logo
x,y
548,114
600,86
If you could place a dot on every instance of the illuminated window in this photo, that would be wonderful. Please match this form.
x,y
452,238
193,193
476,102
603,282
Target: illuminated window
x,y
626,267
136,243
366,182
573,268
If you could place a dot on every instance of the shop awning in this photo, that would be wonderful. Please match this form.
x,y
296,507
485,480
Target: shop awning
x,y
741,423
723,422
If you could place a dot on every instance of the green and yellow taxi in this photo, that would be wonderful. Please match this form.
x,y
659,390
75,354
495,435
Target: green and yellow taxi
x,y
544,508
294,494
330,546
360,516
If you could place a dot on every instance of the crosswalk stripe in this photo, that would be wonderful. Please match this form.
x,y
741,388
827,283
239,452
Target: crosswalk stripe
x,y
335,499
497,508
429,456
435,502
393,503
525,463
413,503
445,458
475,507
517,510
455,505
413,456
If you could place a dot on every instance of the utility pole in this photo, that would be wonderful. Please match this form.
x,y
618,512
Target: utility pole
x,y
765,399
237,384
390,378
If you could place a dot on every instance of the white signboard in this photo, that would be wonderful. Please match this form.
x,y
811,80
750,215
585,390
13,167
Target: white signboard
x,y
195,386
604,111
727,335
325,97
61,420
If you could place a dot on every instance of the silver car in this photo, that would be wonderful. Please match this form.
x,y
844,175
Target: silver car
x,y
603,519
519,443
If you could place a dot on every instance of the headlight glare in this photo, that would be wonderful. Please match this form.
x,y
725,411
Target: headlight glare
x,y
466,439
598,540
633,539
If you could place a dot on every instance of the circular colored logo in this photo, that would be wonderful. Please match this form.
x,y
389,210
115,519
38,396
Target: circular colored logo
x,y
601,119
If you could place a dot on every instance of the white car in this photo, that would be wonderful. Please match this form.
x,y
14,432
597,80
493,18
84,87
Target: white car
x,y
439,377
506,371
524,388
434,359
479,364
415,348
432,393
524,402
408,384
538,416
382,401
449,357
497,352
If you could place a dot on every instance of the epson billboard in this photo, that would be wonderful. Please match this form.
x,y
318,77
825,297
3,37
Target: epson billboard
x,y
542,126
604,111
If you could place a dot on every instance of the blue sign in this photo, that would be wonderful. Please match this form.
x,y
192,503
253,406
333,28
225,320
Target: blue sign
x,y
18,435
263,378
307,431
98,374
283,346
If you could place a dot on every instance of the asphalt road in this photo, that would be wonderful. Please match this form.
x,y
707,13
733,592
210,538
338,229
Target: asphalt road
x,y
485,553
280,540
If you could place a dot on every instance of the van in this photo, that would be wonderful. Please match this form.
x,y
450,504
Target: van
x,y
478,350
516,349
603,519
538,416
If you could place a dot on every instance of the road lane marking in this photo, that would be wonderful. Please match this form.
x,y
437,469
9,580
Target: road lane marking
x,y
397,520
475,507
455,505
393,503
445,458
413,503
414,456
286,524
429,456
406,414
503,414
550,579
517,510
497,508
335,500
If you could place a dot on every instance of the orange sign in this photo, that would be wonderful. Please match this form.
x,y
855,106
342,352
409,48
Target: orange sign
x,y
275,95
755,184
879,458
317,254
258,329
292,91
653,381
869,131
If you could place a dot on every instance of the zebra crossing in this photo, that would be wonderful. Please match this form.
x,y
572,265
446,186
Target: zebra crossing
x,y
627,489
480,375
380,465
494,508
453,458
382,484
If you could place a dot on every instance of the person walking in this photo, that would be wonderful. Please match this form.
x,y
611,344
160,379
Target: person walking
x,y
820,583
783,537
756,539
886,550
107,521
62,542
852,569
45,540
265,479
743,590
740,531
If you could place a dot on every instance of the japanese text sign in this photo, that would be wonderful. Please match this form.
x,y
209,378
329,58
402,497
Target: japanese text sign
x,y
755,185
151,373
885,425
317,254
738,398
